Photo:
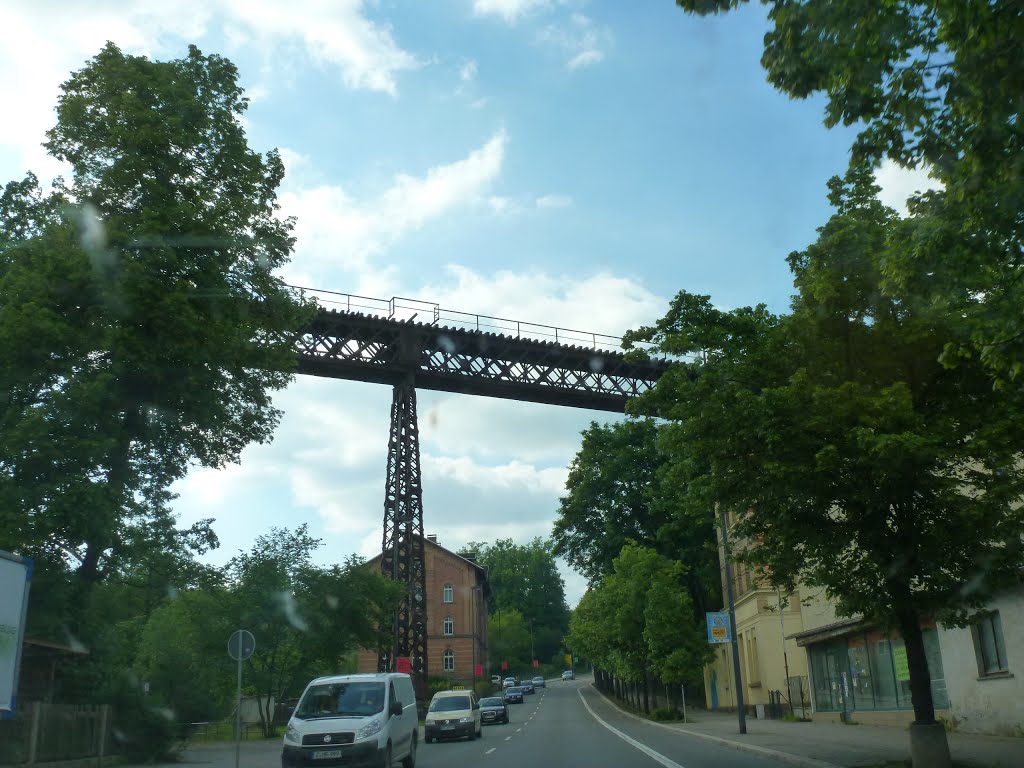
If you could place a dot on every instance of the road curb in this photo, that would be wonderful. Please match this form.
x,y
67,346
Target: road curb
x,y
786,757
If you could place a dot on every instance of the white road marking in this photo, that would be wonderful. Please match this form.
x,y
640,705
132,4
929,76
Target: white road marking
x,y
657,756
490,750
508,738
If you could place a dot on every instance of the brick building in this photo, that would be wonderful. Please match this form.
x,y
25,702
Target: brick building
x,y
457,592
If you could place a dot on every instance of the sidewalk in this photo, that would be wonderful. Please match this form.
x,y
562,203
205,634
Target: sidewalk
x,y
834,745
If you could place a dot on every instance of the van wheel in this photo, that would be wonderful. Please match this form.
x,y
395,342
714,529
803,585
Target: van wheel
x,y
409,761
480,731
387,756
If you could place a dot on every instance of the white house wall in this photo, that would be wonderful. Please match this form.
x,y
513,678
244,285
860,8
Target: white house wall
x,y
992,704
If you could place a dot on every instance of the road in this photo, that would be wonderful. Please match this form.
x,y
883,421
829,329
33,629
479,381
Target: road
x,y
566,724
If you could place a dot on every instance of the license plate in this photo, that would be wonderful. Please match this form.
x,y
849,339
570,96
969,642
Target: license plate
x,y
447,727
327,754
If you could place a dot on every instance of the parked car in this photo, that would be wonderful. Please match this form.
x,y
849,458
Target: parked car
x,y
453,714
493,709
538,682
568,675
527,686
513,695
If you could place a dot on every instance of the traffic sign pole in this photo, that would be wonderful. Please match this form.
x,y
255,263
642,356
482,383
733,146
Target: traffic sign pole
x,y
241,645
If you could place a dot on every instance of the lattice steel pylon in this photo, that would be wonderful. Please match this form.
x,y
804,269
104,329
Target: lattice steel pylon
x,y
402,547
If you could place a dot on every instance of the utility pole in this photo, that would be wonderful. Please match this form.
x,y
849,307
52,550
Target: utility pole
x,y
732,626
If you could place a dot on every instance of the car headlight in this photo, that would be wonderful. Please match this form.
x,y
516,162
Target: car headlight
x,y
369,729
292,734
465,719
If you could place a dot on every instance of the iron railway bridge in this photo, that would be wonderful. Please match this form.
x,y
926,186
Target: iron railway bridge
x,y
410,344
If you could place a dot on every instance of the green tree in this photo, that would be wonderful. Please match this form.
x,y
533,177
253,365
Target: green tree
x,y
182,655
525,578
638,621
934,83
508,635
621,487
146,328
867,467
306,619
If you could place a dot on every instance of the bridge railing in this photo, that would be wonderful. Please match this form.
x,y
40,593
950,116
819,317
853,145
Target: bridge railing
x,y
431,313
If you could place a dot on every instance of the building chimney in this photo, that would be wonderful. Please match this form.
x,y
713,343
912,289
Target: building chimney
x,y
432,537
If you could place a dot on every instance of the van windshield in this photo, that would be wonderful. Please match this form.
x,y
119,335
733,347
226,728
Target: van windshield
x,y
352,699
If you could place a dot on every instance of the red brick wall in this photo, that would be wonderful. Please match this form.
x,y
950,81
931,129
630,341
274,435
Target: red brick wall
x,y
468,605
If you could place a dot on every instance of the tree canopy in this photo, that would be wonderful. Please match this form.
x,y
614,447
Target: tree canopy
x,y
854,459
620,489
935,84
145,326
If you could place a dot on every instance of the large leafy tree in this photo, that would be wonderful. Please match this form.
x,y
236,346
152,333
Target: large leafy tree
x,y
857,462
305,618
934,83
525,578
637,621
621,488
144,326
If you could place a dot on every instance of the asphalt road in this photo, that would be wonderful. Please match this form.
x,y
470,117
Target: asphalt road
x,y
566,724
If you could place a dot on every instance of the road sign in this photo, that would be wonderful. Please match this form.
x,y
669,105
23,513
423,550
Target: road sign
x,y
15,579
504,666
241,644
718,627
536,663
403,664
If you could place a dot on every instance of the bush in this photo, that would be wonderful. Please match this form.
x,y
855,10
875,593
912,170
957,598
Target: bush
x,y
143,730
665,713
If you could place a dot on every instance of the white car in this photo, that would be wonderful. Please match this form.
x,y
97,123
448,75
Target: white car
x,y
453,714
353,719
568,675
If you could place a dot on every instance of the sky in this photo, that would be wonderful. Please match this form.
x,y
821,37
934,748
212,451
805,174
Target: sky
x,y
566,162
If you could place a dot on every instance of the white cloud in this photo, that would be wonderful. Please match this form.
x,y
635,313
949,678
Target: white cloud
x,y
582,41
43,41
467,71
335,231
898,183
554,201
336,33
509,10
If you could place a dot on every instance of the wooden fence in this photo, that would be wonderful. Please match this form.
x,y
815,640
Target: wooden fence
x,y
47,733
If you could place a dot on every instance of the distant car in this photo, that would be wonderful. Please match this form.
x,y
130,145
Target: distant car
x,y
527,686
496,679
538,682
568,675
513,695
509,682
493,709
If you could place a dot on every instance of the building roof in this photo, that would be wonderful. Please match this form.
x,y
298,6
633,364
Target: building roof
x,y
827,631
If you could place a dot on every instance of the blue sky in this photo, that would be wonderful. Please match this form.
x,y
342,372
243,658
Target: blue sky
x,y
563,162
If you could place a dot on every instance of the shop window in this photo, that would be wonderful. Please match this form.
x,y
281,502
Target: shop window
x,y
989,646
449,660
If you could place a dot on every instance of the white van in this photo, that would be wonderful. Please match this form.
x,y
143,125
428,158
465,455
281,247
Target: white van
x,y
353,720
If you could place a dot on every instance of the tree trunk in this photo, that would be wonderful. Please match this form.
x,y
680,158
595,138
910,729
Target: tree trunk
x,y
647,699
917,661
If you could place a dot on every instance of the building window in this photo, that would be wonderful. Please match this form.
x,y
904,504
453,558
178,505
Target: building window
x,y
449,625
988,645
449,660
449,593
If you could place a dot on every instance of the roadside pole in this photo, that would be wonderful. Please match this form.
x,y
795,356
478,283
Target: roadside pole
x,y
241,644
732,627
